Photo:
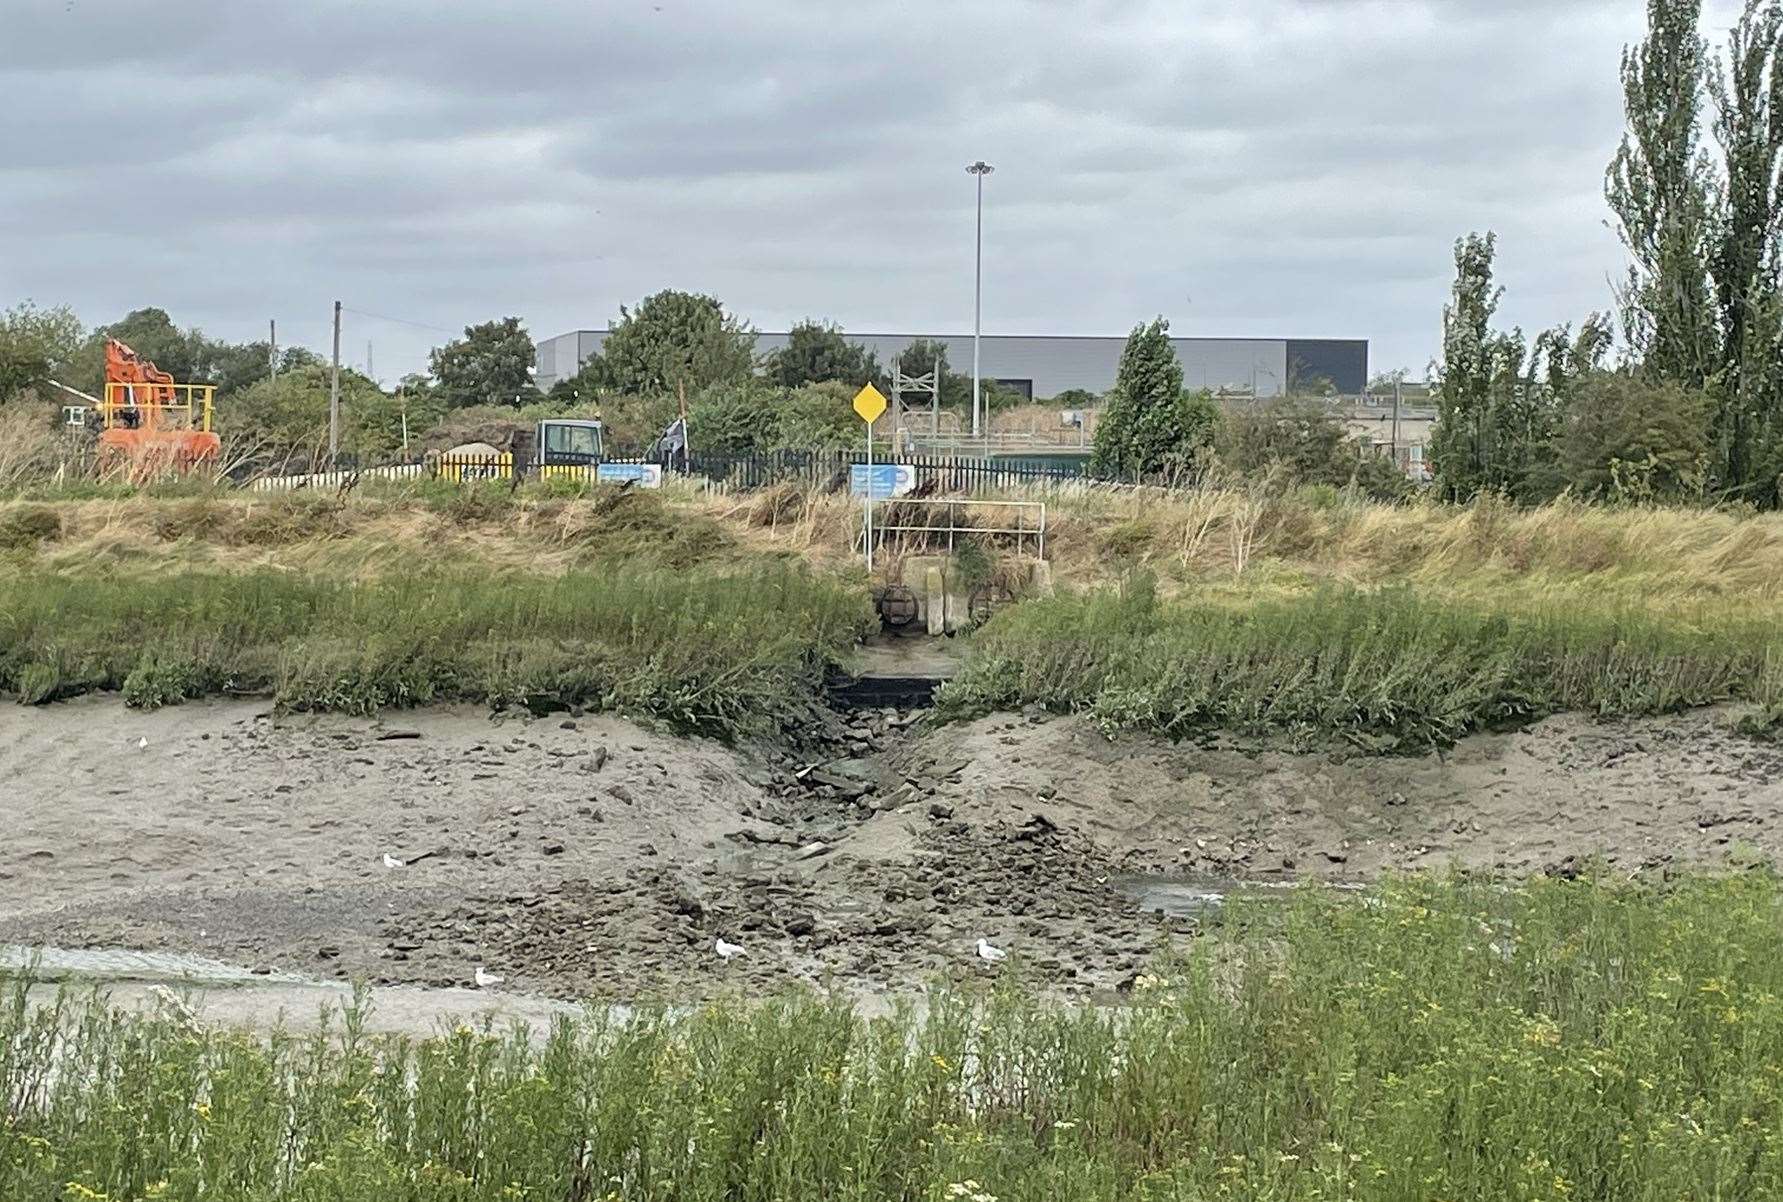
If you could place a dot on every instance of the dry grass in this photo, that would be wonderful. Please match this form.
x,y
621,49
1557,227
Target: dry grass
x,y
1234,541
363,537
1260,539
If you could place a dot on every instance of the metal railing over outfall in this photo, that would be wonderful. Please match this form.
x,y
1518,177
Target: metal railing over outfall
x,y
952,517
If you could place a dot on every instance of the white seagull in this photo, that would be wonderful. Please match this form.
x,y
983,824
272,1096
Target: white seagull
x,y
142,743
989,954
485,979
391,861
727,950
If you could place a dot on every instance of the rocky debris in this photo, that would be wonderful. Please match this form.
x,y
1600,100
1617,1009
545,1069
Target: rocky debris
x,y
890,923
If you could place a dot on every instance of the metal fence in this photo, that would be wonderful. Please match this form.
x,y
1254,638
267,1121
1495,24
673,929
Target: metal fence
x,y
831,469
727,473
936,523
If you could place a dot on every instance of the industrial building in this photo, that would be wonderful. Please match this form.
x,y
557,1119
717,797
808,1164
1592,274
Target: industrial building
x,y
1046,365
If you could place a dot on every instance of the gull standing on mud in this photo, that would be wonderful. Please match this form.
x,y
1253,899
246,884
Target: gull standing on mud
x,y
989,954
391,861
727,950
486,979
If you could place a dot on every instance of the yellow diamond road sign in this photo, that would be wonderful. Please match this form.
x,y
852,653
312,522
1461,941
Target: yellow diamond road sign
x,y
869,402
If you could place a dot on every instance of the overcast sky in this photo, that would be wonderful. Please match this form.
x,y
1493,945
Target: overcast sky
x,y
1244,167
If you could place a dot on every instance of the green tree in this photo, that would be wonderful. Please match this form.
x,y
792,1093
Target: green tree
x,y
285,420
234,366
735,418
1151,426
490,365
819,417
1307,443
919,359
1658,185
186,355
1500,400
35,345
1458,443
1295,435
1631,438
1747,90
816,352
673,340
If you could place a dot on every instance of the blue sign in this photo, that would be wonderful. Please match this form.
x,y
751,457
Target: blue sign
x,y
649,475
881,481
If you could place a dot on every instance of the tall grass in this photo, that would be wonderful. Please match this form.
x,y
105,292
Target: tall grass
x,y
1384,667
1258,538
1250,541
727,653
1561,1041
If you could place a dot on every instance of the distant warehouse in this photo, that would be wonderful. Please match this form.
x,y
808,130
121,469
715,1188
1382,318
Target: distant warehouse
x,y
1044,366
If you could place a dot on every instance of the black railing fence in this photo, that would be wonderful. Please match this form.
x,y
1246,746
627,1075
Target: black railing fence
x,y
830,470
833,469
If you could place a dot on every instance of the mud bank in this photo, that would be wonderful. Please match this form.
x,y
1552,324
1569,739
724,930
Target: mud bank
x,y
593,857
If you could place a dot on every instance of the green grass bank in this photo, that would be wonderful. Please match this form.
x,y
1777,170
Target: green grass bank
x,y
728,653
1437,1039
1388,667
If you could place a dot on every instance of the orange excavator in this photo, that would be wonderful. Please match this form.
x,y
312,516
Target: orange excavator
x,y
147,421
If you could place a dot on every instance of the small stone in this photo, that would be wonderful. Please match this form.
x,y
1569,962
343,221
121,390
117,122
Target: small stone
x,y
940,810
554,849
567,724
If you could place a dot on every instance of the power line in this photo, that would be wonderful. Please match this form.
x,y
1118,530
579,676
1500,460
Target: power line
x,y
402,321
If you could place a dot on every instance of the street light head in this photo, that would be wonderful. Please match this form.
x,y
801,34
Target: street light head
x,y
979,168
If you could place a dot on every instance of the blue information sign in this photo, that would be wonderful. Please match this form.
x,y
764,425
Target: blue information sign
x,y
882,480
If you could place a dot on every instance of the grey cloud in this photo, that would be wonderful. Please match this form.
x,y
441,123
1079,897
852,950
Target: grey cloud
x,y
1293,166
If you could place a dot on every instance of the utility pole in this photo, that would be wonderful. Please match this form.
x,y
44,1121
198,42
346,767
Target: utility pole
x,y
369,373
334,392
980,169
272,348
1398,389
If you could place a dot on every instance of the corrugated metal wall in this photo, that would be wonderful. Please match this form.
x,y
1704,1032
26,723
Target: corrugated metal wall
x,y
1057,364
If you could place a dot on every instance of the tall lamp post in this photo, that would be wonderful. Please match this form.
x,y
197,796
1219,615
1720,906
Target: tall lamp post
x,y
980,169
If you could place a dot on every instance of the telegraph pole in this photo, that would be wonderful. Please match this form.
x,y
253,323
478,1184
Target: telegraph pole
x,y
369,373
272,349
334,392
